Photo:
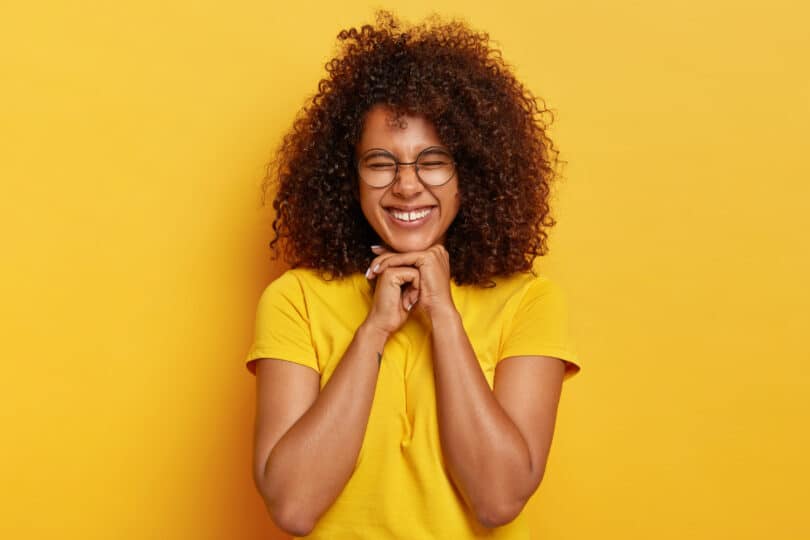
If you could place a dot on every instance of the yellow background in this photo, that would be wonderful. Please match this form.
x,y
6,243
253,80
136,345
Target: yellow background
x,y
133,140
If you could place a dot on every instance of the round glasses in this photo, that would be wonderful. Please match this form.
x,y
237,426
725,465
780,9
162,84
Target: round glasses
x,y
379,168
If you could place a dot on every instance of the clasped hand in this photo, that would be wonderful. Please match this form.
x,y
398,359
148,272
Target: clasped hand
x,y
414,280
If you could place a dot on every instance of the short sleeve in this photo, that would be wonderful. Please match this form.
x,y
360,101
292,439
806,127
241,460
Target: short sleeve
x,y
540,326
282,328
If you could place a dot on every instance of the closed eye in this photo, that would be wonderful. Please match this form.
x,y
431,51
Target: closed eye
x,y
381,165
433,163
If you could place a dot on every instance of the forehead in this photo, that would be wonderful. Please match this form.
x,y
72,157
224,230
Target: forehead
x,y
382,129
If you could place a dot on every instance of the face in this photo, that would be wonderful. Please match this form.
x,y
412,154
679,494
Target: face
x,y
394,211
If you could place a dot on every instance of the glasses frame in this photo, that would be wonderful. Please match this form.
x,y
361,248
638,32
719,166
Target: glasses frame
x,y
397,163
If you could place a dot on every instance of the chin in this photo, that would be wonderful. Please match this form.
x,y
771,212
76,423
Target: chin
x,y
405,245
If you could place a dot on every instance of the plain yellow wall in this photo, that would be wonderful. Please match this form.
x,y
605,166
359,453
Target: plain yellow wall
x,y
133,141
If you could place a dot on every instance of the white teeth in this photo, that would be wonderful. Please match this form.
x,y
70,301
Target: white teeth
x,y
410,216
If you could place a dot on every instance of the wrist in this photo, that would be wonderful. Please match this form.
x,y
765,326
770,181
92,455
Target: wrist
x,y
373,333
444,315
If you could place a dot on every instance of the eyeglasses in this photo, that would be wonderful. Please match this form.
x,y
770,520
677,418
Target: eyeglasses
x,y
379,168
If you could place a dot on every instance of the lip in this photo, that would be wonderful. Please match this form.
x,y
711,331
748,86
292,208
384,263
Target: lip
x,y
409,208
409,224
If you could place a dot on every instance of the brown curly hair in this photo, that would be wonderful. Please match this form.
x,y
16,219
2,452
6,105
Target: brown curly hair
x,y
494,127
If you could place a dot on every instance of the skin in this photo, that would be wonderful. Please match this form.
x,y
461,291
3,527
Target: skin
x,y
495,442
405,141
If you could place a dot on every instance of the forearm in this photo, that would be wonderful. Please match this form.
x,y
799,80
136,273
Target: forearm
x,y
310,465
488,459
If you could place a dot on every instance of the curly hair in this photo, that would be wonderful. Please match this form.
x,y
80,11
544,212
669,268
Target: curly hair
x,y
495,128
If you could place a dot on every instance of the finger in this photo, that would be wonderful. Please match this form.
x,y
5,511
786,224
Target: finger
x,y
409,300
378,250
410,295
415,259
403,275
441,252
406,302
375,268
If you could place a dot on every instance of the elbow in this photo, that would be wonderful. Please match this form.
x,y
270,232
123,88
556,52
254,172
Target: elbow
x,y
502,510
498,515
291,521
285,515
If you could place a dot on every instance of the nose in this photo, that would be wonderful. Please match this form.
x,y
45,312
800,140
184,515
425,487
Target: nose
x,y
407,183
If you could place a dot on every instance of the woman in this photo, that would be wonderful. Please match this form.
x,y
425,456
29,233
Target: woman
x,y
410,364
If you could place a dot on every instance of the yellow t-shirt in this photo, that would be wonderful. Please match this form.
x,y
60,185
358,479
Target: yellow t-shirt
x,y
401,488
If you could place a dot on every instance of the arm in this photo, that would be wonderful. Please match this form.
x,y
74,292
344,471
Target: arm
x,y
495,443
296,427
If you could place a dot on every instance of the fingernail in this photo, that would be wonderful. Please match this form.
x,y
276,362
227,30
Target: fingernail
x,y
377,267
410,306
367,271
376,247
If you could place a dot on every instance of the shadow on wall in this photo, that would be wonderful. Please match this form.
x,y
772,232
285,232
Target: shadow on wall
x,y
247,515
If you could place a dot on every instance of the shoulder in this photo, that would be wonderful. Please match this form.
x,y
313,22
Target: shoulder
x,y
297,278
537,323
511,296
287,289
524,286
293,277
308,282
544,293
532,298
542,286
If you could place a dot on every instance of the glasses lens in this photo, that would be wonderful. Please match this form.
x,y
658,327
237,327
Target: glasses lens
x,y
377,171
435,167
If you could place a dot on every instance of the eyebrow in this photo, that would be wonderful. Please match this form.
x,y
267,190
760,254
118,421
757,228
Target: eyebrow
x,y
376,152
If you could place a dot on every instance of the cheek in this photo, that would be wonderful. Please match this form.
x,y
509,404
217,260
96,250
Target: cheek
x,y
368,204
454,202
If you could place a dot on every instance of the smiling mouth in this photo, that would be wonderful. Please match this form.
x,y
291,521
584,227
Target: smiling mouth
x,y
413,216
